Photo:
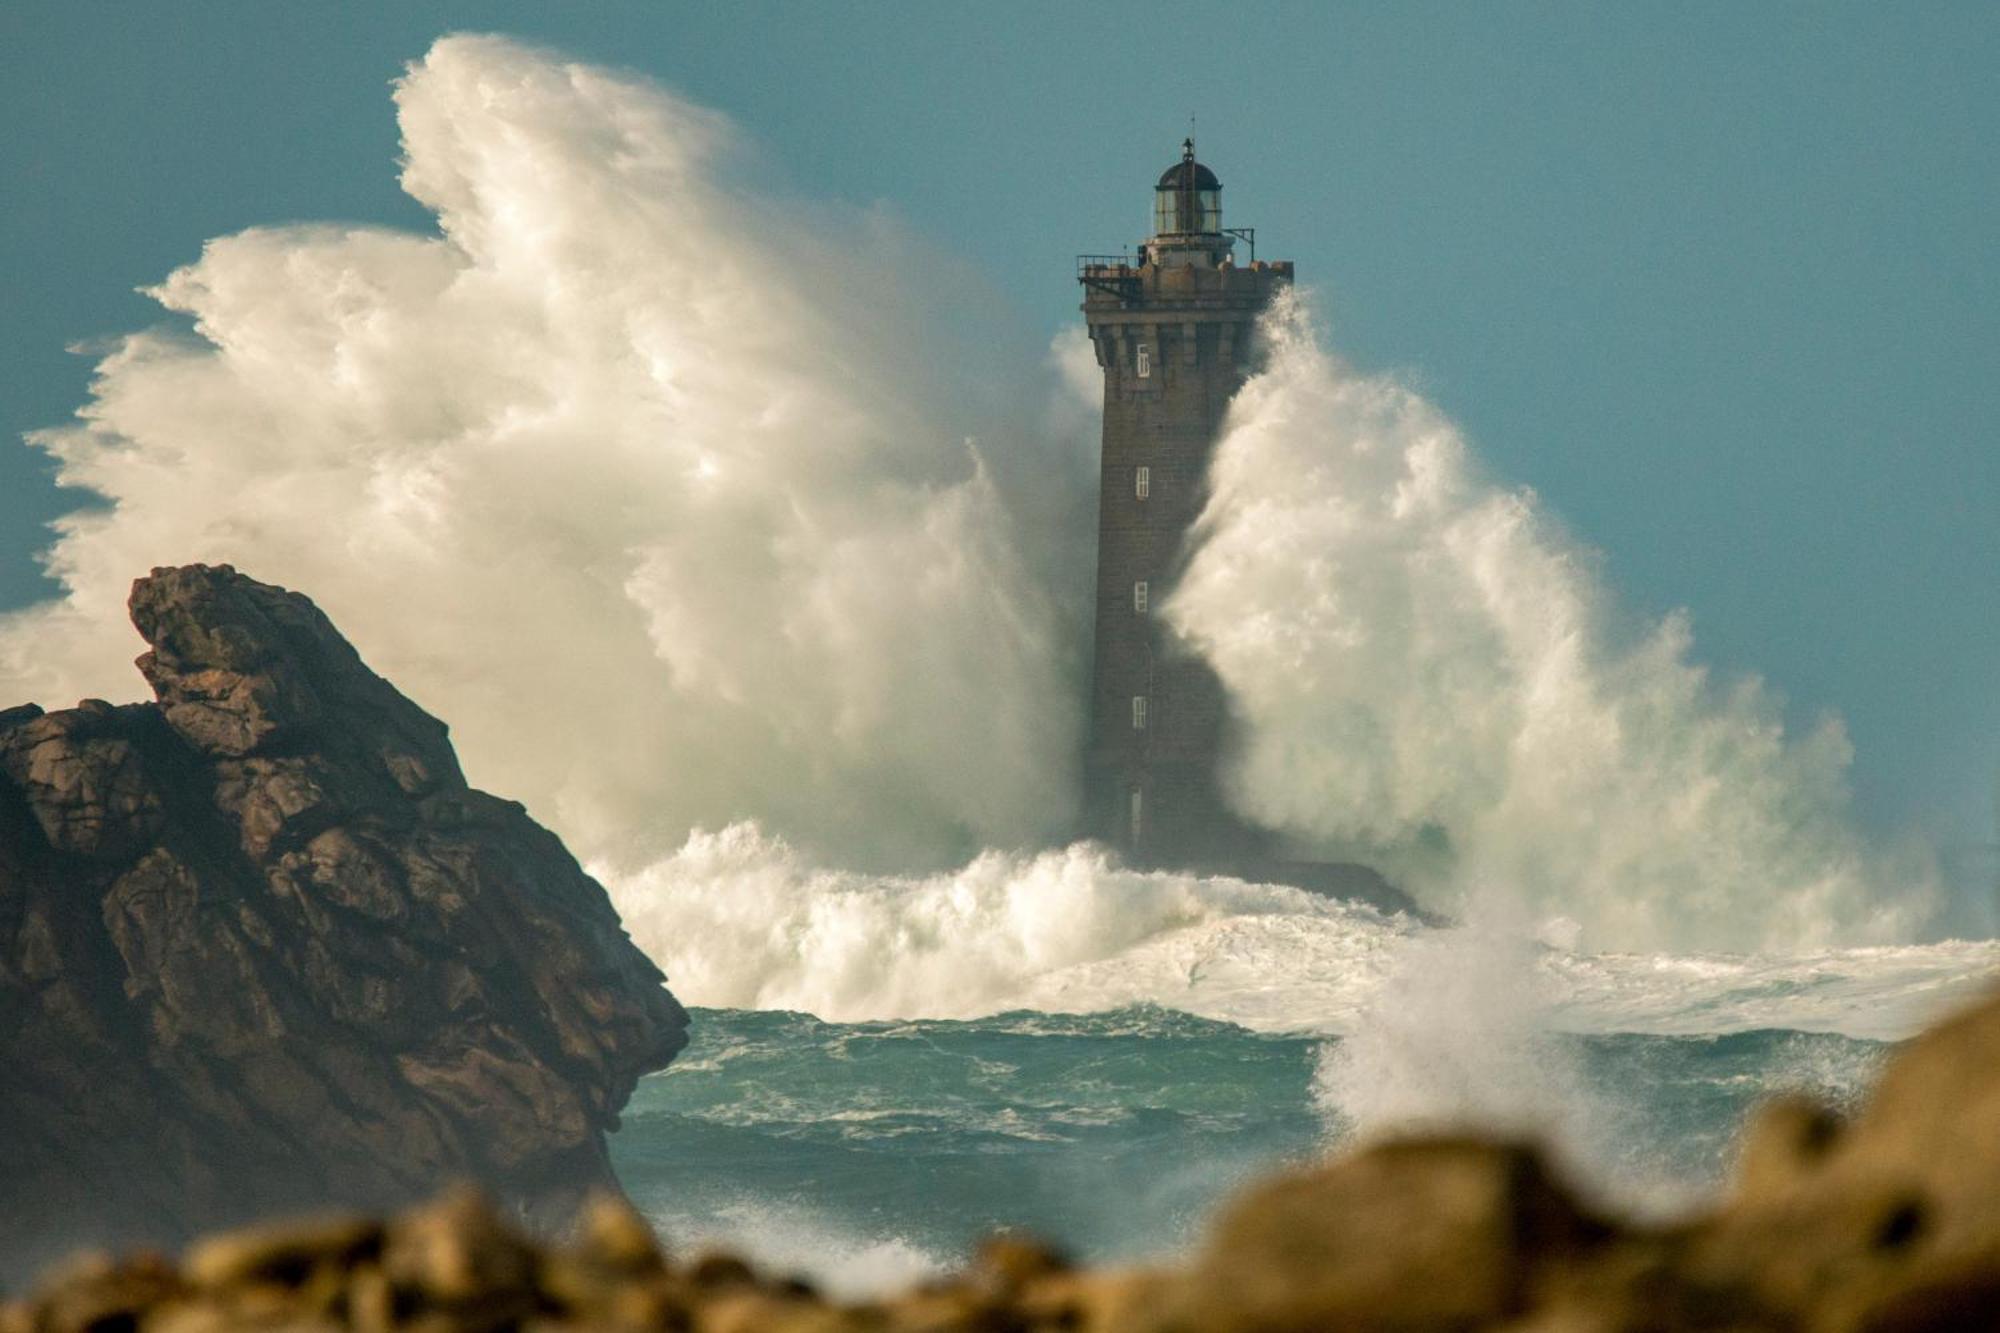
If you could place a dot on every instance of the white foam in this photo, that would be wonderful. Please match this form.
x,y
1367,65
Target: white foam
x,y
742,920
794,1239
739,919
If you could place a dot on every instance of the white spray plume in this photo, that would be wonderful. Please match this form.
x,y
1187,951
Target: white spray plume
x,y
1460,1035
1428,677
665,503
662,494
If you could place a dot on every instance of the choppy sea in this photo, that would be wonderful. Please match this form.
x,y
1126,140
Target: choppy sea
x,y
865,1153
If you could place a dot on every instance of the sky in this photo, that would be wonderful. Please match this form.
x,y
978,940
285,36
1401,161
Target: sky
x,y
1715,280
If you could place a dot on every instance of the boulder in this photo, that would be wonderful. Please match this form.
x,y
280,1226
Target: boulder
x,y
1892,1221
262,948
1440,1233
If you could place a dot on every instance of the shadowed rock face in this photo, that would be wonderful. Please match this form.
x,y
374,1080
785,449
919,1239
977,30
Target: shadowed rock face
x,y
262,947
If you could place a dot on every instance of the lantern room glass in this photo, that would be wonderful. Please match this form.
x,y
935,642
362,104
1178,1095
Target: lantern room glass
x,y
1166,212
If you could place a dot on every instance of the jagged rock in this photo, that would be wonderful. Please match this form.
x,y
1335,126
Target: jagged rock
x,y
262,948
83,778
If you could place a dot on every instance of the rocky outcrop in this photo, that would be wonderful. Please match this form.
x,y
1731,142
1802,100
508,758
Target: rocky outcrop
x,y
261,947
1890,1224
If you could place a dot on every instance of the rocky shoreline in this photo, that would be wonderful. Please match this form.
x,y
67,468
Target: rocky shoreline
x,y
1889,1223
263,949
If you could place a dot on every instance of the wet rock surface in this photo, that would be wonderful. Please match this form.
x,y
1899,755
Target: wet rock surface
x,y
262,949
1888,1224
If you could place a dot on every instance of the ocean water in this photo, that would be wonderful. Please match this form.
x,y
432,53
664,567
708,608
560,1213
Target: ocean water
x,y
871,1150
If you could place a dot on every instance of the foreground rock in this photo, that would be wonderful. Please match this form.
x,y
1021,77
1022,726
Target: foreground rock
x,y
1888,1225
262,948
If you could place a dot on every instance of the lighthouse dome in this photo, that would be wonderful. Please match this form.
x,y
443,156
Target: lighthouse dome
x,y
1175,176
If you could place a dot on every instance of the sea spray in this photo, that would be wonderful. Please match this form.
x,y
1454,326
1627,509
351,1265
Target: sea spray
x,y
1457,1033
1460,1037
1429,675
607,473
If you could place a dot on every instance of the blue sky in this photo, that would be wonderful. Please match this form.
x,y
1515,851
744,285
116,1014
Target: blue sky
x,y
1716,279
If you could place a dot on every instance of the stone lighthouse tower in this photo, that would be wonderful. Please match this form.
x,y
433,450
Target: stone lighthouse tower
x,y
1174,333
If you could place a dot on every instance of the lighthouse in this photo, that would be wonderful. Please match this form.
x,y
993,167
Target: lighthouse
x,y
1175,334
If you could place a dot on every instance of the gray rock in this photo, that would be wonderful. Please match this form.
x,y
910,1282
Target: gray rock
x,y
262,948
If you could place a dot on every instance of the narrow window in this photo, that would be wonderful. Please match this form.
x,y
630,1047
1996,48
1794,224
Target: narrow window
x,y
1139,596
1142,482
1145,361
1138,815
1138,712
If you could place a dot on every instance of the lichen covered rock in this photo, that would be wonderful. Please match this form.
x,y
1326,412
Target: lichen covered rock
x,y
262,948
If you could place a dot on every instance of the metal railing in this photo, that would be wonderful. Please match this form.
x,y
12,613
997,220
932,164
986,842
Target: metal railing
x,y
1115,275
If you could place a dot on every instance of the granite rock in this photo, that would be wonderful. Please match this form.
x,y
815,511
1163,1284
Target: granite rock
x,y
262,948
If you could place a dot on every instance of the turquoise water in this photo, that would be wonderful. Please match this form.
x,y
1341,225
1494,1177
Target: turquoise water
x,y
868,1152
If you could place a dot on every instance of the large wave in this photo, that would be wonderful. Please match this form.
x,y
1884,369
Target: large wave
x,y
685,509
740,919
660,491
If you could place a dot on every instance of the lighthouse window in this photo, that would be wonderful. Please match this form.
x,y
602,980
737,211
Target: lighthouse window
x,y
1209,202
1142,482
1145,361
1138,712
1139,596
1138,814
